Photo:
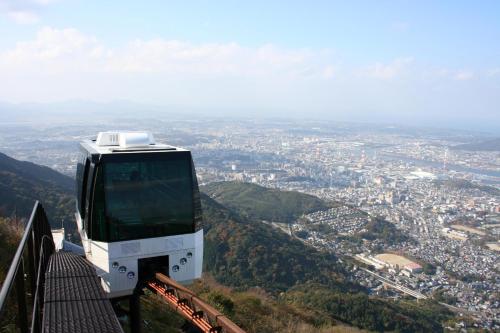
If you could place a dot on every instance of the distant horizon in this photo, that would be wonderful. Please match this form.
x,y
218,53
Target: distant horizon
x,y
183,112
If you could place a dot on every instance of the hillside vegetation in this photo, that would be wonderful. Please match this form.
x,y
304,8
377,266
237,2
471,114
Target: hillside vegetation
x,y
257,202
257,311
378,228
10,234
32,171
245,253
369,313
22,183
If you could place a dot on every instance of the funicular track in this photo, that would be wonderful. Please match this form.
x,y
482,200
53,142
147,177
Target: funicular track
x,y
192,308
59,292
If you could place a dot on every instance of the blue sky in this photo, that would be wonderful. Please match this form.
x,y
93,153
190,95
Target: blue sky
x,y
407,61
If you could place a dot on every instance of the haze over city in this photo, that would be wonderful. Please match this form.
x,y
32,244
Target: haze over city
x,y
422,63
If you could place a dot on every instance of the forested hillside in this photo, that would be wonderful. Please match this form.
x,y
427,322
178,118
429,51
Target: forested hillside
x,y
378,228
257,202
245,253
10,234
22,183
369,312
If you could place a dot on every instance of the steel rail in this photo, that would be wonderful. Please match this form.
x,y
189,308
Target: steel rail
x,y
185,302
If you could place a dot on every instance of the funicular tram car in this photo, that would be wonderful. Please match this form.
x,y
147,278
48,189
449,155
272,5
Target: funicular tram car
x,y
138,210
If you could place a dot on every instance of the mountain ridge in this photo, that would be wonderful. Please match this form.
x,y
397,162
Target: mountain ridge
x,y
22,183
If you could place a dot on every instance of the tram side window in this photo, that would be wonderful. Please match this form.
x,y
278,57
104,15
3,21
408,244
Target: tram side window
x,y
84,185
82,171
79,185
99,226
87,191
198,213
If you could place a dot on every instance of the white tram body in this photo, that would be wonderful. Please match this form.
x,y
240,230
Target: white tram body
x,y
138,210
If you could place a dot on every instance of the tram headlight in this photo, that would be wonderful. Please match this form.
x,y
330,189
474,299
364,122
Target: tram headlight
x,y
131,275
122,269
183,261
115,265
175,268
189,254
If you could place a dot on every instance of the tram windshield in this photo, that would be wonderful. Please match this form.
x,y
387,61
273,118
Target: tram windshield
x,y
143,197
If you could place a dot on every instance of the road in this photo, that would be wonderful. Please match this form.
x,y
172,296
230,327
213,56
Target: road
x,y
395,285
418,295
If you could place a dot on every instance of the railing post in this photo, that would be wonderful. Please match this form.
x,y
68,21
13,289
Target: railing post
x,y
36,242
21,299
31,266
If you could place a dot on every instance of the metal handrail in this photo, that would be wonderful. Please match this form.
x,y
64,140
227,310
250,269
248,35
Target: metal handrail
x,y
11,274
36,231
40,276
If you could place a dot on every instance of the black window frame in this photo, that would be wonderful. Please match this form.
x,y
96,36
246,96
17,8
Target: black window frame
x,y
79,182
89,195
83,194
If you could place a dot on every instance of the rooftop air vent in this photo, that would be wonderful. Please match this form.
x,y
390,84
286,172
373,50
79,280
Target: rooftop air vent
x,y
125,139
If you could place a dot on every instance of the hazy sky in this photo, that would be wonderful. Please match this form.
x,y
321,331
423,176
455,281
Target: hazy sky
x,y
433,62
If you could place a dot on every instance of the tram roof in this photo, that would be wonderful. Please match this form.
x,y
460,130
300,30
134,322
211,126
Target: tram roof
x,y
126,142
